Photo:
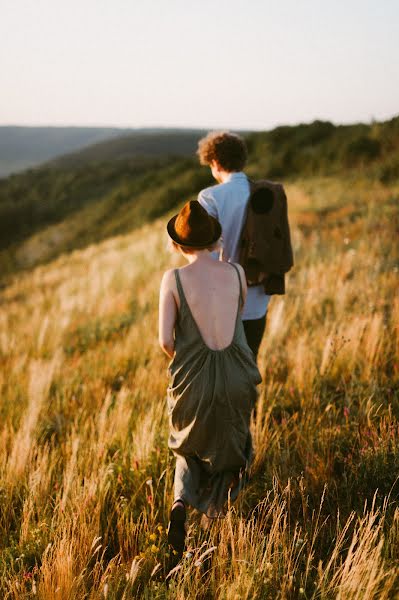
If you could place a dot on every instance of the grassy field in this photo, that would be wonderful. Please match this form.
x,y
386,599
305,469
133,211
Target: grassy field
x,y
85,472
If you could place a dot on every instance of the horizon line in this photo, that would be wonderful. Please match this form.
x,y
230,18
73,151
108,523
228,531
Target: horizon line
x,y
192,127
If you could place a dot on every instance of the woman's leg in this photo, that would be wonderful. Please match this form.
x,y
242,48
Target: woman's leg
x,y
176,527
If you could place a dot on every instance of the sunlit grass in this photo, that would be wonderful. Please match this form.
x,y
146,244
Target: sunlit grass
x,y
85,473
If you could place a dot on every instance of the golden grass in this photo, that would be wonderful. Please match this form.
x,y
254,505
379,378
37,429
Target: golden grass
x,y
85,473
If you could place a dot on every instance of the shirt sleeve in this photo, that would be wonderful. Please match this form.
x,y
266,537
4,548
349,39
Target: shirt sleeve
x,y
208,203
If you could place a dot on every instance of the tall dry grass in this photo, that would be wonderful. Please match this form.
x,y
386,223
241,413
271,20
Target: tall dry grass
x,y
85,473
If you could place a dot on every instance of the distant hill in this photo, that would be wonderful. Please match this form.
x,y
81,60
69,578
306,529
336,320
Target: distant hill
x,y
118,185
322,148
24,147
319,147
148,143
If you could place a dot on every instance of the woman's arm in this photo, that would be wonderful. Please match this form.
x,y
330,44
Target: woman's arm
x,y
167,314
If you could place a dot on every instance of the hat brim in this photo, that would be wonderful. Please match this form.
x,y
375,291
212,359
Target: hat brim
x,y
180,242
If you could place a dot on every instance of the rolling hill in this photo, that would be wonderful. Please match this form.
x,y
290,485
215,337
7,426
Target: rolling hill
x,y
148,144
118,185
24,147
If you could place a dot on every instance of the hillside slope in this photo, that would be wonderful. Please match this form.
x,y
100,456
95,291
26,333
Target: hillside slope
x,y
69,209
116,186
86,476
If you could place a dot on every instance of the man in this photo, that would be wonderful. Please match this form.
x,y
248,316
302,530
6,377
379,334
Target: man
x,y
226,154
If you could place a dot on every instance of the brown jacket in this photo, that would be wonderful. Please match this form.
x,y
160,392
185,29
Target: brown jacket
x,y
266,251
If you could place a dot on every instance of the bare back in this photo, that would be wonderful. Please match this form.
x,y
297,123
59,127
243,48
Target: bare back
x,y
212,291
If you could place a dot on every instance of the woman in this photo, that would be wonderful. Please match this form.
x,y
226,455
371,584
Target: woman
x,y
212,375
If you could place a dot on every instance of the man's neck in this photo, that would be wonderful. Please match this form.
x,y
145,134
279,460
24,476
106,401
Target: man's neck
x,y
224,176
220,174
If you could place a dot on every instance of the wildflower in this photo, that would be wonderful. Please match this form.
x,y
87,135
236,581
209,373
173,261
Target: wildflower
x,y
153,537
346,412
160,528
154,549
301,590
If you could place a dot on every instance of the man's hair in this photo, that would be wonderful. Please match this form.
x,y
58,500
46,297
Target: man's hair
x,y
226,148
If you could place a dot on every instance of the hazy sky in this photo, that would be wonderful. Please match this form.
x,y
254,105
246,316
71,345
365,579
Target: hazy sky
x,y
248,64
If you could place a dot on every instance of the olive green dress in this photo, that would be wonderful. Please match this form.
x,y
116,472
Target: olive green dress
x,y
210,397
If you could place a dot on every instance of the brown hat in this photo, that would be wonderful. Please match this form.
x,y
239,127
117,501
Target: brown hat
x,y
194,227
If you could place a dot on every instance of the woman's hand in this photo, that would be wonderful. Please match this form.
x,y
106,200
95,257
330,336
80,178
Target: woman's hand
x,y
167,313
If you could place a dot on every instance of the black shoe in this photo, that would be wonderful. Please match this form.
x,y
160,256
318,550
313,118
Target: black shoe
x,y
176,529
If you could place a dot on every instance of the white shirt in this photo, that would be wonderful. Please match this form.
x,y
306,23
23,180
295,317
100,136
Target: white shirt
x,y
227,202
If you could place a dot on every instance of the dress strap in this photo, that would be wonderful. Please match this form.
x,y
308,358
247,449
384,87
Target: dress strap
x,y
239,281
180,288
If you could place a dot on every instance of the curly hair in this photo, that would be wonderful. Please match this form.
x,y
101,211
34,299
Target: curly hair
x,y
226,148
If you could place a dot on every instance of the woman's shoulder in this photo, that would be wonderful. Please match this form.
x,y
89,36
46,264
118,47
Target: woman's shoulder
x,y
239,269
228,267
169,278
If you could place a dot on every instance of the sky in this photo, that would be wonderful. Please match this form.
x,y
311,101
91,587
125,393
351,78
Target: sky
x,y
250,64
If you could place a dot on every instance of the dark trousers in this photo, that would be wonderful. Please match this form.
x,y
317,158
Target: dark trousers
x,y
254,329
